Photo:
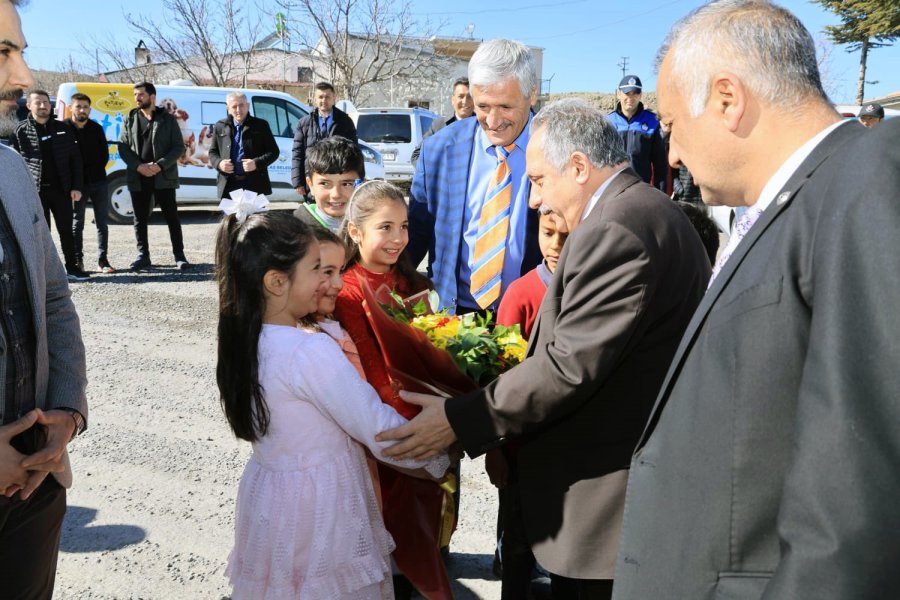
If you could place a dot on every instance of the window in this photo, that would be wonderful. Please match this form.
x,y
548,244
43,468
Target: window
x,y
281,116
425,121
419,104
385,128
304,74
211,112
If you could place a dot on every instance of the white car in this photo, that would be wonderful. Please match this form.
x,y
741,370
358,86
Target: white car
x,y
395,132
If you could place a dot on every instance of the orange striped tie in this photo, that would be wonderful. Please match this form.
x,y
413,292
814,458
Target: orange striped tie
x,y
490,244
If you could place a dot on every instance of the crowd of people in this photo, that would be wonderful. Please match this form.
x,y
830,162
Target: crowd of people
x,y
688,421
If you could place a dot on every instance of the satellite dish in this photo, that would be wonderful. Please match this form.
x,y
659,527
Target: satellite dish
x,y
470,29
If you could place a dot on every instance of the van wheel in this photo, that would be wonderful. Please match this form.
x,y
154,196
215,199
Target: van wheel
x,y
120,209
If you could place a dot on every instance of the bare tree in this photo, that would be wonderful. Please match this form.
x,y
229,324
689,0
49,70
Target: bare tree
x,y
206,41
358,44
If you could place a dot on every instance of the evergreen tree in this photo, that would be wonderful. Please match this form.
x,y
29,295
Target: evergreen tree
x,y
865,25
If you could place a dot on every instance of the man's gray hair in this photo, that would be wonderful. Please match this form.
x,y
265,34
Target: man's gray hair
x,y
235,96
765,45
572,125
497,61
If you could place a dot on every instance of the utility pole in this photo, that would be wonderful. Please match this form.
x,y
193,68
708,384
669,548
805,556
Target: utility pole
x,y
623,65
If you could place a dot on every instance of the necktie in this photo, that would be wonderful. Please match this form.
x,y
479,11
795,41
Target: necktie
x,y
324,127
493,225
239,139
741,228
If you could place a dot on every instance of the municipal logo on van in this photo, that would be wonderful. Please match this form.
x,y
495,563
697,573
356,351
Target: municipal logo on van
x,y
113,103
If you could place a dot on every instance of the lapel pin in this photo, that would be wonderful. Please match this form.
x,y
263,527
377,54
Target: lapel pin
x,y
782,198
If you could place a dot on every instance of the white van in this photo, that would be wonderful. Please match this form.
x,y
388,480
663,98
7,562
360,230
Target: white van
x,y
395,132
196,109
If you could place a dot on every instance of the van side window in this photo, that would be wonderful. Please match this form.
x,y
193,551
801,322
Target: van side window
x,y
282,116
211,112
425,121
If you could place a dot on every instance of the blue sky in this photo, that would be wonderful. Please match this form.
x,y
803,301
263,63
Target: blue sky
x,y
583,40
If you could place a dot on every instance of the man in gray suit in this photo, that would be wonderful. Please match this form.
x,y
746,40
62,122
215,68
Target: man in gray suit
x,y
630,276
769,467
42,362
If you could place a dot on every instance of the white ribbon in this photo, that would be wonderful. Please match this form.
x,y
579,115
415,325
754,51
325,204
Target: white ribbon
x,y
243,203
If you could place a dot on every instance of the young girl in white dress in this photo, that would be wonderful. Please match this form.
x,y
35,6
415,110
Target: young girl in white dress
x,y
306,524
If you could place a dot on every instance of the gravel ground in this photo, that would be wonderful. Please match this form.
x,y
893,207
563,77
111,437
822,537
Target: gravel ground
x,y
151,511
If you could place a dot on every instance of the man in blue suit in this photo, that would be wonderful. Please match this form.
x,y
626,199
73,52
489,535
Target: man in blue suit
x,y
454,177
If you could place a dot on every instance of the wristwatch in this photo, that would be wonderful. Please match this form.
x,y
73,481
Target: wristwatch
x,y
77,417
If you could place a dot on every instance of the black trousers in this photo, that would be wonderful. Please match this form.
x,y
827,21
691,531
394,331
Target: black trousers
x,y
564,588
29,542
142,202
240,182
59,203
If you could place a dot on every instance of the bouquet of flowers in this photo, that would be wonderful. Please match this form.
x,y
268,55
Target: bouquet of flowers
x,y
436,352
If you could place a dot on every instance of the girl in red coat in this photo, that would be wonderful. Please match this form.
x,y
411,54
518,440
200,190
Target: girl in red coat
x,y
376,232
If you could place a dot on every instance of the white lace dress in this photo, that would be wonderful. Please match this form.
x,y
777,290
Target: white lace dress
x,y
306,523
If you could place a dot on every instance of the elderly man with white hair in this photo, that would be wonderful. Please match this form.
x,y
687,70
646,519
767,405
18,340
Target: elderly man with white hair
x,y
468,208
769,467
629,278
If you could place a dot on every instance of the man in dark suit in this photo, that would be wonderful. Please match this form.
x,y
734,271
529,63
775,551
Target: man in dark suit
x,y
325,121
463,108
42,379
769,466
242,149
454,182
629,278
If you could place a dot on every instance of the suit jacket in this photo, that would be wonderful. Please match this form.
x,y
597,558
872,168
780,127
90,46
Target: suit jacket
x,y
60,378
259,144
168,146
628,280
769,467
66,154
308,133
437,204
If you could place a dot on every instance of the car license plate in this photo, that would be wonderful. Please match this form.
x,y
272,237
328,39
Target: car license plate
x,y
389,155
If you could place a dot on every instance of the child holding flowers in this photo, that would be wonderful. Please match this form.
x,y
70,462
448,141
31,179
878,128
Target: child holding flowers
x,y
376,233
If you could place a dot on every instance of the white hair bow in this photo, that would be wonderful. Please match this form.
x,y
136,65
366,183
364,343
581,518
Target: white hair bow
x,y
243,203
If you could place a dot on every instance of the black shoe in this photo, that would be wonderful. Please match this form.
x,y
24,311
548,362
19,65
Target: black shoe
x,y
140,264
79,264
105,267
76,274
182,264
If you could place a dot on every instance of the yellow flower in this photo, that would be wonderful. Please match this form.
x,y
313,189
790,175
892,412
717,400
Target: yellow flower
x,y
514,347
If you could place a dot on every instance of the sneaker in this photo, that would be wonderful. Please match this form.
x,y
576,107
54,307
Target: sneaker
x,y
76,274
105,267
140,263
182,264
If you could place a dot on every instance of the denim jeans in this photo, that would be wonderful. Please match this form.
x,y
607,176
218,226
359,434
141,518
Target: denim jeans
x,y
98,195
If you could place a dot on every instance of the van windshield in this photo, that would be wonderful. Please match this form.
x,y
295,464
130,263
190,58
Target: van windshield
x,y
383,128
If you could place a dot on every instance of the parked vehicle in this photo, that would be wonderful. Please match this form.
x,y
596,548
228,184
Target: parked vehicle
x,y
196,109
395,132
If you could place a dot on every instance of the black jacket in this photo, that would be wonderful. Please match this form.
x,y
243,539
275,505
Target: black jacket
x,y
65,152
94,150
259,145
168,146
308,134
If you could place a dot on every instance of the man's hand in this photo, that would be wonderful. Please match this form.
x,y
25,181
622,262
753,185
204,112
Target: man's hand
x,y
144,170
60,429
76,195
300,190
226,166
13,476
425,435
249,165
155,169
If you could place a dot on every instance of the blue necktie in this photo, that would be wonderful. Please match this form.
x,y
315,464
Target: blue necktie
x,y
239,140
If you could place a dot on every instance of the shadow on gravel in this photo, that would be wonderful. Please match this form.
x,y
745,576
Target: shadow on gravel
x,y
78,536
466,565
155,274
